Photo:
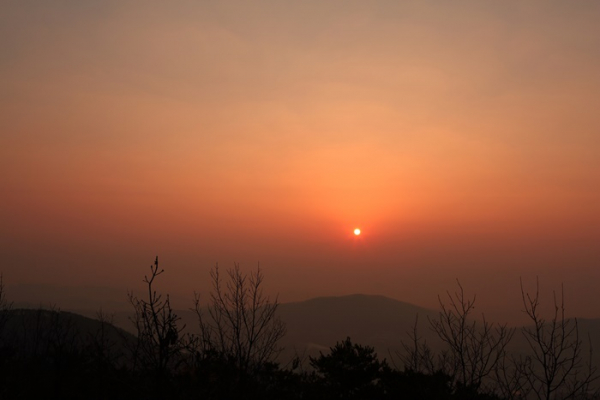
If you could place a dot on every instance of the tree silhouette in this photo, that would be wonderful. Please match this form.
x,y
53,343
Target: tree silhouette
x,y
474,349
350,371
241,324
5,306
159,341
418,356
556,368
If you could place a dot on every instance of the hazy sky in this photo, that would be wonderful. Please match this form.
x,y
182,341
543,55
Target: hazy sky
x,y
462,137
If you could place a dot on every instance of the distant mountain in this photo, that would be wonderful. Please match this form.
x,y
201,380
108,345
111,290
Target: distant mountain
x,y
317,324
378,321
32,330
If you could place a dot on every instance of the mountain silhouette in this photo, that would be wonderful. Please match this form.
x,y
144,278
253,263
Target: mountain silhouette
x,y
317,324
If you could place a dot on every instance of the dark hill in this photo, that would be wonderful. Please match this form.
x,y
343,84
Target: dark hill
x,y
36,331
378,321
317,324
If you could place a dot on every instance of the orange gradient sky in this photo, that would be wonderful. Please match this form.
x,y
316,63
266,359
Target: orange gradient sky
x,y
463,139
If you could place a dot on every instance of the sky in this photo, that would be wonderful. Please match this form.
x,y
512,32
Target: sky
x,y
462,138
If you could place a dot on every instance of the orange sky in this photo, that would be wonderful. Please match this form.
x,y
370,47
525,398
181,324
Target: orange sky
x,y
463,138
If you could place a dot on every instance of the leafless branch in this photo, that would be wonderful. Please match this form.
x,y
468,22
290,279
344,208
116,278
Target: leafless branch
x,y
474,349
556,367
241,324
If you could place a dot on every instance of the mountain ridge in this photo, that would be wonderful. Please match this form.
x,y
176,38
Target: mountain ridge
x,y
316,324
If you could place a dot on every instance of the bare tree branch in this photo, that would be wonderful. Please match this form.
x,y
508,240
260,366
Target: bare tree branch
x,y
241,324
159,340
556,368
474,349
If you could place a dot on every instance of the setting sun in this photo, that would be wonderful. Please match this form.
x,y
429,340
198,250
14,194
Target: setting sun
x,y
357,231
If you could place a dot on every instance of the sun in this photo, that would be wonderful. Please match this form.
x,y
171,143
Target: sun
x,y
357,232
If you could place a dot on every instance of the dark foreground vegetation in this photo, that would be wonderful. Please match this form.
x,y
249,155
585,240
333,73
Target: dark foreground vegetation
x,y
58,355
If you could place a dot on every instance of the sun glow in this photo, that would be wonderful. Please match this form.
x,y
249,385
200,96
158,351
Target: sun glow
x,y
357,232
